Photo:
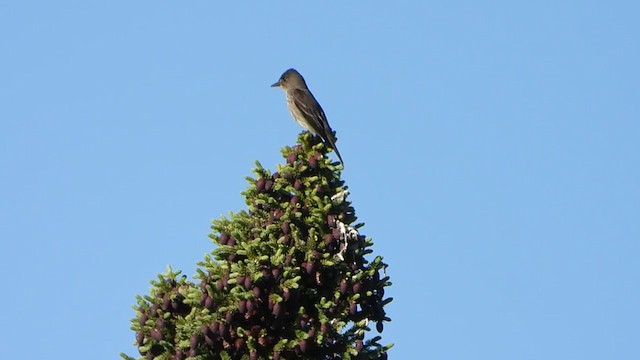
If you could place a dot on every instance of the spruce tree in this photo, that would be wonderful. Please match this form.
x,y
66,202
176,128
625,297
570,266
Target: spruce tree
x,y
291,276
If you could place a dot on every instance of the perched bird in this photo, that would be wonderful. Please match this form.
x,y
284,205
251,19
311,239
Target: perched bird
x,y
305,108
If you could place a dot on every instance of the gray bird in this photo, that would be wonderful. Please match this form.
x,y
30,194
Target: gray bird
x,y
305,108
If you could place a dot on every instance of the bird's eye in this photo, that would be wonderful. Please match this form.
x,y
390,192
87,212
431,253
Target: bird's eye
x,y
283,79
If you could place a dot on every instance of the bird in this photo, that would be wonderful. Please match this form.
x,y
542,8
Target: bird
x,y
305,109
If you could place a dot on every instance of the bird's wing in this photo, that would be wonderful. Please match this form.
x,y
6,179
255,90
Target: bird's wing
x,y
312,111
314,114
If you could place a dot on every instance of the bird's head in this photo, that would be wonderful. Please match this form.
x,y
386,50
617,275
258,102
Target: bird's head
x,y
290,79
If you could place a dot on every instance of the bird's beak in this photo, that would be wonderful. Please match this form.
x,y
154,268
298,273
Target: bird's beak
x,y
276,84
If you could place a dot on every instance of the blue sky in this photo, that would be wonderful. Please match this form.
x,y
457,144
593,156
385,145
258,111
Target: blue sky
x,y
491,149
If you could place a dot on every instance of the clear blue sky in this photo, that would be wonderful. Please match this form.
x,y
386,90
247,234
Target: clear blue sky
x,y
491,148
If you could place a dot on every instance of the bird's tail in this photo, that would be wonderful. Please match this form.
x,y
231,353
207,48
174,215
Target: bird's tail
x,y
331,139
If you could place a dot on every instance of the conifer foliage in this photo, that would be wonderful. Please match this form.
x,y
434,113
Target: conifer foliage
x,y
291,277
